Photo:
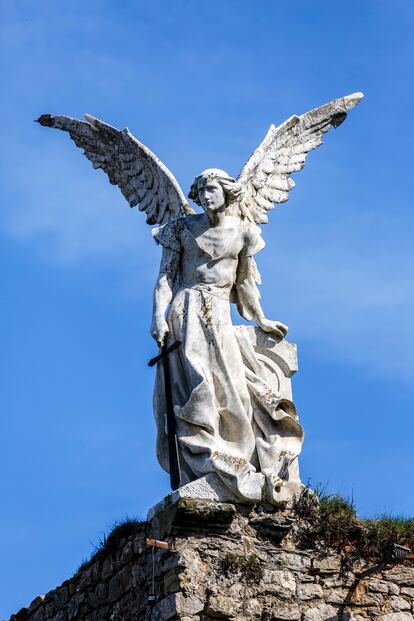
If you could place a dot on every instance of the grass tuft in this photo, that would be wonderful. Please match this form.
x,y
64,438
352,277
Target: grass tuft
x,y
329,521
248,568
111,540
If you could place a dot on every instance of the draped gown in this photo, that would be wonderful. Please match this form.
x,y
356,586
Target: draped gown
x,y
229,420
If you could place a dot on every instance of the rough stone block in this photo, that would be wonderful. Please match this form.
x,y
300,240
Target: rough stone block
x,y
176,604
253,609
208,488
73,607
321,612
294,561
164,610
222,607
326,565
36,603
378,586
396,616
274,528
338,596
107,568
191,515
61,597
172,582
115,588
285,612
360,598
280,582
400,575
21,615
398,603
393,589
309,591
127,553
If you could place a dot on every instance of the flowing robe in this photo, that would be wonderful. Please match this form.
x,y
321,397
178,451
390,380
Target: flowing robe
x,y
229,420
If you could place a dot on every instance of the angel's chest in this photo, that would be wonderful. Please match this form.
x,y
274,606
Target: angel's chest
x,y
216,243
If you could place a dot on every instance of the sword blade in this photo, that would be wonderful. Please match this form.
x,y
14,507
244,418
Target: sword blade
x,y
173,453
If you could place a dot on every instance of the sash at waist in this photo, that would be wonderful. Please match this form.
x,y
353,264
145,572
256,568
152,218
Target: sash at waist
x,y
219,292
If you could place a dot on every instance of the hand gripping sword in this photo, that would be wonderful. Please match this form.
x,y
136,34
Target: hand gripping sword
x,y
174,458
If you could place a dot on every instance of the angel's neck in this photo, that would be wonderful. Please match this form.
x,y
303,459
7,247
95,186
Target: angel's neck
x,y
215,218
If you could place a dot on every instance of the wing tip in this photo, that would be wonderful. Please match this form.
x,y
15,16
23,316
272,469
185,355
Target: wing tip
x,y
353,99
45,119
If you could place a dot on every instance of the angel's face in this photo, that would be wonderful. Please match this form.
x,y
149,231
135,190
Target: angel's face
x,y
211,195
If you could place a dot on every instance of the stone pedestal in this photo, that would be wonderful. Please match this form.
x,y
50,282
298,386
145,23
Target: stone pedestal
x,y
223,562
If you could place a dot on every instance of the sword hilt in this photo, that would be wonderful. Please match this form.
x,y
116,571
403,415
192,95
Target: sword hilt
x,y
164,352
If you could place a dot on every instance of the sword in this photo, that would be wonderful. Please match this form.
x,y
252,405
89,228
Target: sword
x,y
173,455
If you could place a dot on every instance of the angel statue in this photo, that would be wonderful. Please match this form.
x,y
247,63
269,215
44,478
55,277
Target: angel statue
x,y
235,421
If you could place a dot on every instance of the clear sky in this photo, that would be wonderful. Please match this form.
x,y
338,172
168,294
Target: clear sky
x,y
199,83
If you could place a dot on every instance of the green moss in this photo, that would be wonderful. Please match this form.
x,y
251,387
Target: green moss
x,y
190,504
248,568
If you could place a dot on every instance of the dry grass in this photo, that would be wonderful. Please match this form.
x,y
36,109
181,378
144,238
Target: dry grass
x,y
329,521
111,540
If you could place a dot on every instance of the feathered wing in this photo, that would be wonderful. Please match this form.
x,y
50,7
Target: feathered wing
x,y
265,178
143,179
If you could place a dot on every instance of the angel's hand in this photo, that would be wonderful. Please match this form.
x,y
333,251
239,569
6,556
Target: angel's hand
x,y
159,330
274,327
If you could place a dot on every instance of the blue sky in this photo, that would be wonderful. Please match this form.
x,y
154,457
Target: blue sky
x,y
199,83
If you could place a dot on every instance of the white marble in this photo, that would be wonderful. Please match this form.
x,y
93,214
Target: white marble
x,y
208,487
235,420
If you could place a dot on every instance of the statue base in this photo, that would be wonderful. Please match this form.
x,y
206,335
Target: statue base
x,y
211,488
208,487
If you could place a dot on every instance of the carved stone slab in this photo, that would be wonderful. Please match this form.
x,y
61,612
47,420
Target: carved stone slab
x,y
279,358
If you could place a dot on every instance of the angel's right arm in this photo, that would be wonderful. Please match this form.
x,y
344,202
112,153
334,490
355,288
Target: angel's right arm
x,y
163,292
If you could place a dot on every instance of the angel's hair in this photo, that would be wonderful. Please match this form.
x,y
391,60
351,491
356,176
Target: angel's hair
x,y
232,189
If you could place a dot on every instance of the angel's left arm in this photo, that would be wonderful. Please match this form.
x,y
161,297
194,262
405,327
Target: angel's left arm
x,y
247,292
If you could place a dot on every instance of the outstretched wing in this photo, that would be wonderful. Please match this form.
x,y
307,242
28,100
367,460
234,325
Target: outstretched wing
x,y
143,179
265,178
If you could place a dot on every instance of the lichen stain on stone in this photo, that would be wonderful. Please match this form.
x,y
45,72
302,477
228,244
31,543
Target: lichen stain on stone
x,y
207,310
271,398
238,463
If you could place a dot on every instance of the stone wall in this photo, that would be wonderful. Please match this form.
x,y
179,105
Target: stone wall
x,y
226,564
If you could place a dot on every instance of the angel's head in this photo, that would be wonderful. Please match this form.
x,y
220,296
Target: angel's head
x,y
214,189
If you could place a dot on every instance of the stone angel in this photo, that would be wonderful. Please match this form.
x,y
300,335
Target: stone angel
x,y
232,421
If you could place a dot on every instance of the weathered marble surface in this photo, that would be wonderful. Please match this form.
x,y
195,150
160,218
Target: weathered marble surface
x,y
230,419
279,363
232,416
